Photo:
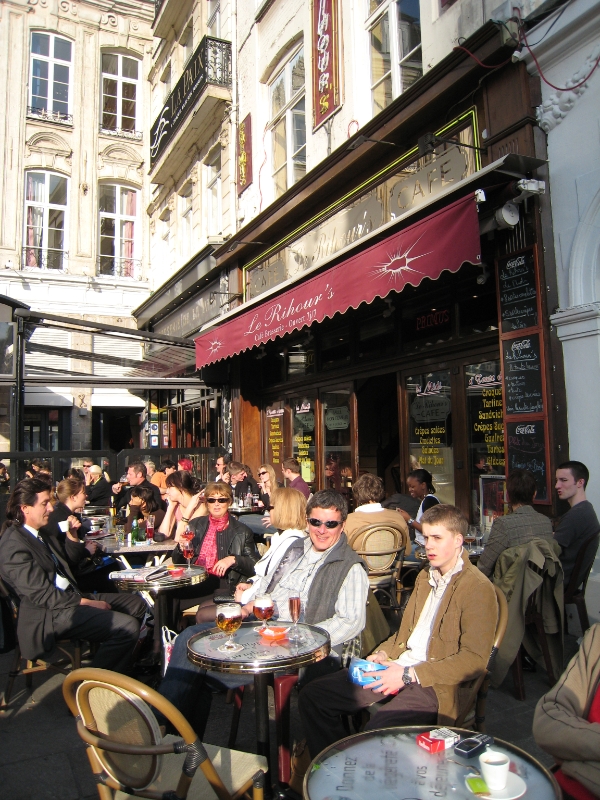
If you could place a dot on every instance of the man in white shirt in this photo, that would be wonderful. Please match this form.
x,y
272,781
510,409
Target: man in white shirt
x,y
445,639
51,605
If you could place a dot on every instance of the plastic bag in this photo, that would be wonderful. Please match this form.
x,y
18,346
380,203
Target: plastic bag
x,y
168,638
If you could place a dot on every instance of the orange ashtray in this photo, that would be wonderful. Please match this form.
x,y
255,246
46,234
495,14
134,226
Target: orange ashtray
x,y
274,633
176,572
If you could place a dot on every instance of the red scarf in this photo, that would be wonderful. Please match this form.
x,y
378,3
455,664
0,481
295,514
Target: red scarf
x,y
208,556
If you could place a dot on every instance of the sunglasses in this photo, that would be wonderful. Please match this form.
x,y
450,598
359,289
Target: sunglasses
x,y
263,473
217,500
330,523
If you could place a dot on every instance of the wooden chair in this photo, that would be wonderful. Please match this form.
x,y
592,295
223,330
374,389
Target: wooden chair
x,y
382,547
575,590
126,747
72,660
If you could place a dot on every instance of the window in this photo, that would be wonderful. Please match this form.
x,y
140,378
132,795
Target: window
x,y
187,44
164,229
45,220
288,124
186,212
395,48
118,209
50,73
165,79
213,25
120,76
213,192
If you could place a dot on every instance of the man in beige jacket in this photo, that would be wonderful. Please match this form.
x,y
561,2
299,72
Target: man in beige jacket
x,y
567,720
444,643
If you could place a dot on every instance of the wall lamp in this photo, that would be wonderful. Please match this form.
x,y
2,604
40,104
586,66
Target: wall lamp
x,y
428,142
236,244
360,140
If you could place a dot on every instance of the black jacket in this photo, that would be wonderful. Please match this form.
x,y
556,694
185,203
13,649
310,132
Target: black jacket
x,y
240,490
99,493
122,499
236,540
75,553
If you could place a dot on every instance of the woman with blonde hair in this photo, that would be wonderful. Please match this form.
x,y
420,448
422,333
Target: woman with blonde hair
x,y
267,483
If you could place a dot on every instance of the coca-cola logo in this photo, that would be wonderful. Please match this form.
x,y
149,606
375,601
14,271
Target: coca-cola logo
x,y
525,429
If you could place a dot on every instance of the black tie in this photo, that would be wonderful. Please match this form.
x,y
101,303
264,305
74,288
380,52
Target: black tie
x,y
57,564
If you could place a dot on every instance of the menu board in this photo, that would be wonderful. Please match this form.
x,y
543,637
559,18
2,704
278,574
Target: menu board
x,y
275,434
526,449
523,375
518,292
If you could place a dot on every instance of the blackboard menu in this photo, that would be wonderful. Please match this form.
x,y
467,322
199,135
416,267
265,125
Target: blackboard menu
x,y
518,292
526,449
523,375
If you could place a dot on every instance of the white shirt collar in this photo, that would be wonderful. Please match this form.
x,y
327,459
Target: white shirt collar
x,y
370,508
32,531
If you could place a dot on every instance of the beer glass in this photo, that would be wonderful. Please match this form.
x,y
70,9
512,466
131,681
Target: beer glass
x,y
229,619
264,608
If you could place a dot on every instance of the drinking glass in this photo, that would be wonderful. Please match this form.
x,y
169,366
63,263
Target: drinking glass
x,y
264,608
478,536
229,619
470,537
187,548
150,528
295,606
120,535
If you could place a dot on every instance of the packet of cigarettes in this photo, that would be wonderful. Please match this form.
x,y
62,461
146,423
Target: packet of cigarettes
x,y
446,735
425,741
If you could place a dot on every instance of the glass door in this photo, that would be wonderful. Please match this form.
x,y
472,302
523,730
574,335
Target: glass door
x,y
337,439
304,414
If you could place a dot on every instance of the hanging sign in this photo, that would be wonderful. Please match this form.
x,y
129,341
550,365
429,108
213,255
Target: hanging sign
x,y
244,147
325,60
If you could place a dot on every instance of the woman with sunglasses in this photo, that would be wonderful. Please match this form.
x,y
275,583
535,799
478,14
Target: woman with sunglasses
x,y
268,487
221,544
184,494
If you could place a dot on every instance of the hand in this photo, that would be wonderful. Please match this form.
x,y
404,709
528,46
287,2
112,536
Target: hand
x,y
389,681
135,501
380,657
404,514
91,547
266,520
193,505
101,604
116,488
221,567
74,523
239,590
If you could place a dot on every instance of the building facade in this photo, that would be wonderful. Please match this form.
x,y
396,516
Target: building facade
x,y
74,235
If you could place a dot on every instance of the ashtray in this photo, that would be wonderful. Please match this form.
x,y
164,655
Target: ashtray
x,y
274,633
176,572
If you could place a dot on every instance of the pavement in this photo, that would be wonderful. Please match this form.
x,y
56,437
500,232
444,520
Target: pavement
x,y
42,757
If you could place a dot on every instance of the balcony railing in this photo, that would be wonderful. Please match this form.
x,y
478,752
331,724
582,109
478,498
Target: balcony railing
x,y
43,258
50,116
118,267
210,64
120,133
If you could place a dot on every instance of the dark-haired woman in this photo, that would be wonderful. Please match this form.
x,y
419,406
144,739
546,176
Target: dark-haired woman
x,y
142,504
420,486
184,494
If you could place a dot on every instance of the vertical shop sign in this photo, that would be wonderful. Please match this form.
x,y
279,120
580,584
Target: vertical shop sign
x,y
244,148
325,60
275,434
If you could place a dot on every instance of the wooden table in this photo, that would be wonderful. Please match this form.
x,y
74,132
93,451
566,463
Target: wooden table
x,y
387,764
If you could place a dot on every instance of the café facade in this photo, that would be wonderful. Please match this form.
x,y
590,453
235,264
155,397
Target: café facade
x,y
390,311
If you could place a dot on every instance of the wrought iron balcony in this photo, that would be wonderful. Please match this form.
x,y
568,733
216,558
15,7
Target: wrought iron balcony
x,y
118,267
43,258
120,133
50,116
210,64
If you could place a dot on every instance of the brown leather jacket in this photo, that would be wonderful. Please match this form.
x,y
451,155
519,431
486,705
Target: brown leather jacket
x,y
461,637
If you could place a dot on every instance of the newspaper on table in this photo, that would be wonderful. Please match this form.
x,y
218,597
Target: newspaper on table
x,y
140,575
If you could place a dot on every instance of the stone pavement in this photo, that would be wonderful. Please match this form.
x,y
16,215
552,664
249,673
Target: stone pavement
x,y
42,758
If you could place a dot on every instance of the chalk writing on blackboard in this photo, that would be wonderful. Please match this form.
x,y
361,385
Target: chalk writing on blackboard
x,y
518,292
523,375
526,449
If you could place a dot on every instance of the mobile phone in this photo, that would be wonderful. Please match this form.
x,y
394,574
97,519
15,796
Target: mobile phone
x,y
473,746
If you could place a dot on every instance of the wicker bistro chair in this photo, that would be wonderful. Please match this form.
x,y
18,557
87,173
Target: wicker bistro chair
x,y
382,547
127,750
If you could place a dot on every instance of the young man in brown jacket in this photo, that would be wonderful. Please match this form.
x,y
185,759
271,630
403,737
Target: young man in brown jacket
x,y
445,640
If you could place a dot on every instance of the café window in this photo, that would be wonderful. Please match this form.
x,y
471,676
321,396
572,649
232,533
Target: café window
x,y
301,355
338,440
213,194
303,411
485,440
430,429
336,347
120,94
377,335
49,90
118,225
394,28
288,124
45,220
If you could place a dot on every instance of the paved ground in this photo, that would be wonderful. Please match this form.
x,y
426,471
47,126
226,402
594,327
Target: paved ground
x,y
42,758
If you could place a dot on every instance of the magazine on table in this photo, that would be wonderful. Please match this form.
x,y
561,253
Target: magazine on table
x,y
140,575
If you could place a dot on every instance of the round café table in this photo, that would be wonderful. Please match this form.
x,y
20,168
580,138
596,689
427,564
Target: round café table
x,y
388,764
259,658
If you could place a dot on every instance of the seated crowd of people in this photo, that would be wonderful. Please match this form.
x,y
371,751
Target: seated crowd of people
x,y
446,632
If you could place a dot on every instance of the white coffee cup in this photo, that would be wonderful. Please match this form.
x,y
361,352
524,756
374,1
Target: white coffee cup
x,y
494,769
64,526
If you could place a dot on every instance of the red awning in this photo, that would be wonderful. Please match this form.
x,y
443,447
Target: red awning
x,y
443,241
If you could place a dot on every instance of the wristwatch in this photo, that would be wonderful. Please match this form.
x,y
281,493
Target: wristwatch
x,y
407,680
410,521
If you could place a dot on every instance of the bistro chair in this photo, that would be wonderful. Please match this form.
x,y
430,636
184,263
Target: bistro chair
x,y
127,749
575,590
71,660
382,547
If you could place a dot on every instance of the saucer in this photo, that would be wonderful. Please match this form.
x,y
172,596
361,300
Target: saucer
x,y
515,787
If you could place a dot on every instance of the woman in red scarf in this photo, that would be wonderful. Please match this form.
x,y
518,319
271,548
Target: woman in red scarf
x,y
222,544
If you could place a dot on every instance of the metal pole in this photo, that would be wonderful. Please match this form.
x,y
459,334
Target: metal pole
x,y
20,386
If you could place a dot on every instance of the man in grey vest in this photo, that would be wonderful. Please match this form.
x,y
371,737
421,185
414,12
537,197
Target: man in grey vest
x,y
332,583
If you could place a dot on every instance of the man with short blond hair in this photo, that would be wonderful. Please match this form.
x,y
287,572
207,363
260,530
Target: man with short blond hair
x,y
445,640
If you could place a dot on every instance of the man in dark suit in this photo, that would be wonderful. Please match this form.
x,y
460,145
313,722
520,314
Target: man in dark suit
x,y
136,476
51,605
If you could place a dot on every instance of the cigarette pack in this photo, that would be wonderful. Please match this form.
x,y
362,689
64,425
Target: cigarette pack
x,y
425,741
446,735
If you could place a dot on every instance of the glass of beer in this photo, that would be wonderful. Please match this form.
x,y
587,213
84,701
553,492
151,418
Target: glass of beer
x,y
295,606
471,535
229,619
264,608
